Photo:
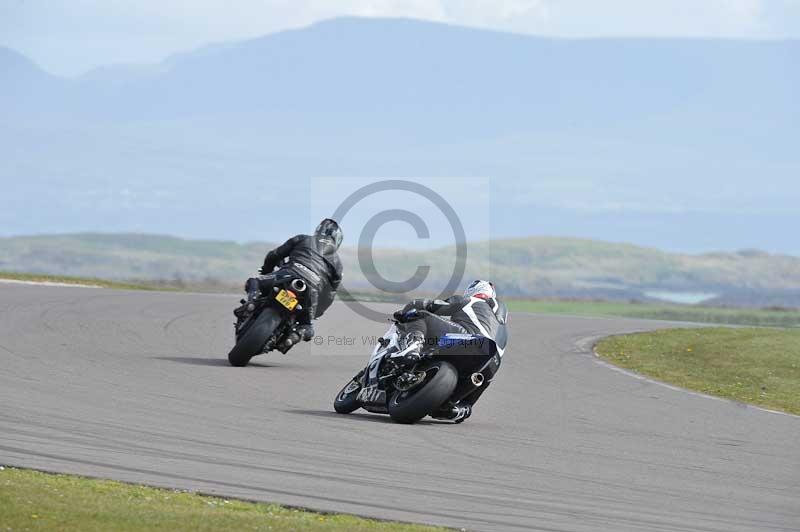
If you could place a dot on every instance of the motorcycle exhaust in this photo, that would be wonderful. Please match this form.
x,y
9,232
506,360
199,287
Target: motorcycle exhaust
x,y
477,379
298,285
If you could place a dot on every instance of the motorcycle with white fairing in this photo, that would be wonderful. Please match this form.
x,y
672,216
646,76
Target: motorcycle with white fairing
x,y
411,388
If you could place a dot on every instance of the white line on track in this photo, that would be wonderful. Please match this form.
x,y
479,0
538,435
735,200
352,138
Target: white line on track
x,y
641,377
49,283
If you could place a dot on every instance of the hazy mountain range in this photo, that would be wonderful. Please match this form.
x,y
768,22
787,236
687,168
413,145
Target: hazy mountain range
x,y
679,144
531,267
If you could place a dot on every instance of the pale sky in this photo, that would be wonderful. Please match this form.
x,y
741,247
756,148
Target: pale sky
x,y
69,37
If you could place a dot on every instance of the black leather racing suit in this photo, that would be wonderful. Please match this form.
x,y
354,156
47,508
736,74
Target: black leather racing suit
x,y
315,260
462,315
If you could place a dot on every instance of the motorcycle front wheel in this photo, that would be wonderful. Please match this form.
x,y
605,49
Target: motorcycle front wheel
x,y
347,399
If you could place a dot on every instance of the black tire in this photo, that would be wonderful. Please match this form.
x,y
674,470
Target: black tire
x,y
252,341
411,406
346,401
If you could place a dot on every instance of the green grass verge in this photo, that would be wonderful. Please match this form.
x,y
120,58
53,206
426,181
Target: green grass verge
x,y
31,500
696,314
758,366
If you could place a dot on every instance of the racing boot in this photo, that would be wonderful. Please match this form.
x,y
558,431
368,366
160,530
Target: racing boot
x,y
306,332
253,289
456,413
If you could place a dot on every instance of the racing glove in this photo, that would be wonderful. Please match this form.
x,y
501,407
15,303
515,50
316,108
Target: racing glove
x,y
404,315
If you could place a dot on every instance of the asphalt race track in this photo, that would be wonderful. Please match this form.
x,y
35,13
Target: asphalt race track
x,y
136,386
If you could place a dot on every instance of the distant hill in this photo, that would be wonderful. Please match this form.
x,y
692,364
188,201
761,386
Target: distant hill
x,y
25,88
681,143
531,267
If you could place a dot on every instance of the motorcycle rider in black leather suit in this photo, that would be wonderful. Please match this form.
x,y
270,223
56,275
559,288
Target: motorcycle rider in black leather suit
x,y
477,312
315,259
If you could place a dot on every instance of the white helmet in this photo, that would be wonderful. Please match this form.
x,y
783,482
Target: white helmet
x,y
480,289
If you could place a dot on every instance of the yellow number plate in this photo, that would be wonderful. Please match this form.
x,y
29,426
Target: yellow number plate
x,y
286,300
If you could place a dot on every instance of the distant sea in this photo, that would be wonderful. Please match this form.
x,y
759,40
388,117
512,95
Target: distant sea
x,y
684,298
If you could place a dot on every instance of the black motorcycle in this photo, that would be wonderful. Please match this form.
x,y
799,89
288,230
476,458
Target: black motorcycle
x,y
409,390
267,319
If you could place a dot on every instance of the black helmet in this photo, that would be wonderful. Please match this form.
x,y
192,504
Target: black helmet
x,y
330,230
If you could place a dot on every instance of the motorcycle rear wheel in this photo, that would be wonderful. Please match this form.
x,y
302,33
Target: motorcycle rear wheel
x,y
415,404
252,341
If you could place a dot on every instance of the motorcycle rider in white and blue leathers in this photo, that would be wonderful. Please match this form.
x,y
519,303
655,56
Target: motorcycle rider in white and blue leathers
x,y
477,312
